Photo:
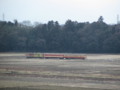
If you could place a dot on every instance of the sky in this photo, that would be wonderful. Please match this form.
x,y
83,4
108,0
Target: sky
x,y
60,10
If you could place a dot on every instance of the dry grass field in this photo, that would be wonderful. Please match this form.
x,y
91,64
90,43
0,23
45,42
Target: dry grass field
x,y
96,72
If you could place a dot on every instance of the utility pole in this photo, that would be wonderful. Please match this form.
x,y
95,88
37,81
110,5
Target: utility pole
x,y
3,17
118,19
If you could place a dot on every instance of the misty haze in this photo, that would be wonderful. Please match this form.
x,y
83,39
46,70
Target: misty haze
x,y
59,45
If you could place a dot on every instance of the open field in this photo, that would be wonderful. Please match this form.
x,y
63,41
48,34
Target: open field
x,y
97,72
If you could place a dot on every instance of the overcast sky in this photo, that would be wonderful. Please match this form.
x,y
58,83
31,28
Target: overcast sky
x,y
60,10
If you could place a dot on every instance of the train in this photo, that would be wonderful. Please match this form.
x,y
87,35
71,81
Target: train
x,y
55,55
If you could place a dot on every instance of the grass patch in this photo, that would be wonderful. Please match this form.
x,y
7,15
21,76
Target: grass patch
x,y
46,87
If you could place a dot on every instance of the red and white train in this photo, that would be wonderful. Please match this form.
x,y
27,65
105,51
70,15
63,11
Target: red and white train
x,y
55,55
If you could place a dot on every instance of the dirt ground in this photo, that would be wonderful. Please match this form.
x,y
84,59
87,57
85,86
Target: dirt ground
x,y
96,72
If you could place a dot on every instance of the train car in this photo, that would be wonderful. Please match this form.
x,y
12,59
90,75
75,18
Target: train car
x,y
73,56
50,55
35,55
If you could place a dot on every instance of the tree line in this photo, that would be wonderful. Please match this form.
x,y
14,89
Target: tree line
x,y
73,37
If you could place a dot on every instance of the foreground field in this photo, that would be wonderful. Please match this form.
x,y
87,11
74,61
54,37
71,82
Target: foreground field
x,y
97,72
